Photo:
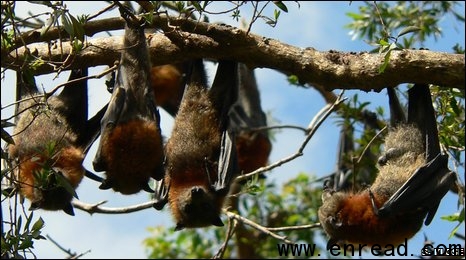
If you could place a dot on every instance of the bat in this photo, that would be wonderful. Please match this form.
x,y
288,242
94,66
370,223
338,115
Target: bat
x,y
201,160
51,139
413,178
131,147
168,82
253,146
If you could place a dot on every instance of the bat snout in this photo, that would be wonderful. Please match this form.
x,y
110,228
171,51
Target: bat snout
x,y
197,192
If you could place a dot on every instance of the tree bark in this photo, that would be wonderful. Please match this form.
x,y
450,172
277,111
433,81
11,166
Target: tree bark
x,y
185,39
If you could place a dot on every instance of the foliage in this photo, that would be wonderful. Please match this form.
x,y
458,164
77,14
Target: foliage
x,y
18,240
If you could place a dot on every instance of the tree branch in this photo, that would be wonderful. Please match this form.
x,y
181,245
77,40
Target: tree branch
x,y
96,208
185,39
312,128
256,226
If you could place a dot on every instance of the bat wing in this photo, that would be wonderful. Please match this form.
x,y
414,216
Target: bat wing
x,y
109,120
74,95
397,115
227,163
224,90
421,113
425,189
247,111
91,134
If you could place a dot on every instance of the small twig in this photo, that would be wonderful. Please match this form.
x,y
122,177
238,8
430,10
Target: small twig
x,y
101,12
256,226
369,144
98,76
68,251
96,208
310,226
81,254
315,123
231,228
264,128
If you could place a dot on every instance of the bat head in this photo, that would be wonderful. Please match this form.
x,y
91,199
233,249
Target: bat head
x,y
52,187
54,196
197,207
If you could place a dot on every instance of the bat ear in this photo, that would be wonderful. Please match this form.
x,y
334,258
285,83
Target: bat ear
x,y
106,184
217,221
68,209
147,188
34,205
93,176
179,226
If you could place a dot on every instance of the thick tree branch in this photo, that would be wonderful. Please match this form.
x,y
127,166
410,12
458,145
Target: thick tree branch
x,y
186,39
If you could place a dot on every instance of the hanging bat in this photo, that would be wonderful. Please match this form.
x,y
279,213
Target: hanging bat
x,y
413,178
51,139
253,146
168,82
201,159
131,146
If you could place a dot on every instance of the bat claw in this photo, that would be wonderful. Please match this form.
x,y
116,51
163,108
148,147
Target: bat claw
x,y
217,222
374,207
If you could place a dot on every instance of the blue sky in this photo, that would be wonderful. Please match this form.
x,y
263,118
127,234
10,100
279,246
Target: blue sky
x,y
315,24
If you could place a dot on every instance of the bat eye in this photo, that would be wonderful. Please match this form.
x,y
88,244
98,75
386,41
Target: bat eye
x,y
334,222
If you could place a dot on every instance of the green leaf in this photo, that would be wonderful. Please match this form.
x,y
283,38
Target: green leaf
x,y
18,225
27,243
355,16
276,14
451,218
281,5
383,42
386,61
65,184
78,28
26,227
7,137
67,25
408,29
196,5
39,224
